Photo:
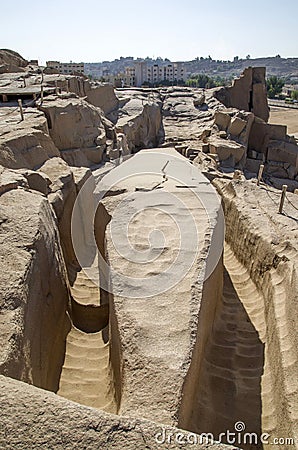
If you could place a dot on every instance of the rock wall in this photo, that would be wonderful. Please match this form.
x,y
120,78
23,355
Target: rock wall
x,y
102,96
265,245
247,93
34,289
66,183
140,120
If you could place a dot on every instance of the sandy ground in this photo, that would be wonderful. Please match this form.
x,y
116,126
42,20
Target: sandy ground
x,y
285,116
86,376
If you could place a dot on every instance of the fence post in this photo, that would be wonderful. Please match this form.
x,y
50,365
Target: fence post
x,y
260,174
21,109
282,198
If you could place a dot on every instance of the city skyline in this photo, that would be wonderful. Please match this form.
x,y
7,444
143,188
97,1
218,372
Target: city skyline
x,y
98,32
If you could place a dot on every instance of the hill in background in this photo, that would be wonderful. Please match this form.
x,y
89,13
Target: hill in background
x,y
282,67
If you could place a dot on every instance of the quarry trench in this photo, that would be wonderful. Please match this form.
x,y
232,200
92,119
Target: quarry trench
x,y
234,381
204,356
87,374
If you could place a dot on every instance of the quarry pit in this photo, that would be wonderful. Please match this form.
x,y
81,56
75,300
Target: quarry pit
x,y
148,282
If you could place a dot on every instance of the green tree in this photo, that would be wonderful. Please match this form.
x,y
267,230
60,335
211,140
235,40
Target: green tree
x,y
274,86
294,95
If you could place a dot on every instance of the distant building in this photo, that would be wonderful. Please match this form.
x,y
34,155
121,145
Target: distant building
x,y
143,73
288,89
156,73
66,68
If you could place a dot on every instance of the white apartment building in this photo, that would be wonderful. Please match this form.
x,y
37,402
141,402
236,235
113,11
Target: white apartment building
x,y
156,73
66,68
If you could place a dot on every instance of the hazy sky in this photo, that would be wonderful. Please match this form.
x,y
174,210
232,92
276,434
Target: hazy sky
x,y
100,30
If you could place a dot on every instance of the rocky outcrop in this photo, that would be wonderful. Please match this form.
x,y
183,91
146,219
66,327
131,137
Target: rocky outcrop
x,y
77,129
65,183
271,144
247,93
140,120
34,419
101,95
226,132
162,339
25,144
34,288
11,61
184,119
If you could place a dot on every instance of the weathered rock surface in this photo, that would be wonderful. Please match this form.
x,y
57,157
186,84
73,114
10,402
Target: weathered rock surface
x,y
65,184
9,179
158,329
25,144
227,149
101,95
34,292
77,130
265,244
11,61
140,120
35,419
247,93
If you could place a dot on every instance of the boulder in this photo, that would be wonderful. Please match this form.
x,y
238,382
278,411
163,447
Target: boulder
x,y
26,148
227,148
102,96
25,144
278,183
73,123
9,179
199,101
141,124
76,127
37,181
11,61
284,152
236,126
222,120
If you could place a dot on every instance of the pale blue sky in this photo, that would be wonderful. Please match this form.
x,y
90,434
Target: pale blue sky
x,y
99,30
